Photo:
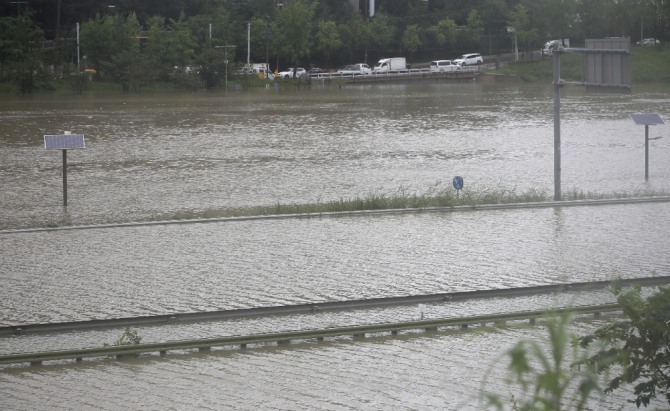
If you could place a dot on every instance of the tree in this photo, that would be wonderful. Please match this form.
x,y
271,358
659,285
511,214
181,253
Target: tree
x,y
474,27
96,42
520,22
381,32
21,50
353,33
328,39
446,32
293,29
410,38
126,64
637,348
170,46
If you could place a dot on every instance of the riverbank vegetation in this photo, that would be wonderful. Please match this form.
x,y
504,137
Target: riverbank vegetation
x,y
202,45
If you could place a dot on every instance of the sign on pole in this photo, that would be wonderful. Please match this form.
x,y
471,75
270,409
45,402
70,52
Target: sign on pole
x,y
65,142
606,67
646,120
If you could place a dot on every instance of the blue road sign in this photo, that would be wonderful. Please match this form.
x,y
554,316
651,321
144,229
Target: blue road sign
x,y
458,182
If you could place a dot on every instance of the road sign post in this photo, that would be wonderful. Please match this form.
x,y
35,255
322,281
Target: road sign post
x,y
646,120
64,142
458,184
606,67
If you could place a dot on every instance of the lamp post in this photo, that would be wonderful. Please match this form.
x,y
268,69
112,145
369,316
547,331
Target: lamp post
x,y
516,48
225,59
647,120
267,37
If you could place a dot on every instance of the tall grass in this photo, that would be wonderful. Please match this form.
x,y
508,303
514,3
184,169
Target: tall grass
x,y
404,199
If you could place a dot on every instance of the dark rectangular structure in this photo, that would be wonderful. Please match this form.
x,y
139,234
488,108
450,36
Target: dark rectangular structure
x,y
607,62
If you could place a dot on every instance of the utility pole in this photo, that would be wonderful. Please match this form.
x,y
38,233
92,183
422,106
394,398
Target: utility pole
x,y
267,38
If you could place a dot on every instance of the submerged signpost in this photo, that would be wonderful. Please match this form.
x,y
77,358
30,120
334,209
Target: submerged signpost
x,y
647,120
606,67
65,142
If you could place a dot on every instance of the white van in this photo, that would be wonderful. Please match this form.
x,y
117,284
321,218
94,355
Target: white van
x,y
440,66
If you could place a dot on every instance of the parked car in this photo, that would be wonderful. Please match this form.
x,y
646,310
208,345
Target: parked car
x,y
648,42
315,71
287,74
469,59
439,66
355,69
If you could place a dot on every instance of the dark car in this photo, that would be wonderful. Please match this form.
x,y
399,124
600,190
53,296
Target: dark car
x,y
315,71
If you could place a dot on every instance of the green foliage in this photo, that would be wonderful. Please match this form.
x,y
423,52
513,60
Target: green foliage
x,y
410,38
294,27
21,55
129,337
546,373
638,348
519,20
446,32
382,32
137,43
353,32
328,40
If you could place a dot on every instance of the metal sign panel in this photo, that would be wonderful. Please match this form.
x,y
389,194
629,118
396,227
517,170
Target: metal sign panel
x,y
64,141
607,68
647,119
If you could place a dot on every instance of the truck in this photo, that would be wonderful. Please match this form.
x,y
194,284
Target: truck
x,y
390,64
553,45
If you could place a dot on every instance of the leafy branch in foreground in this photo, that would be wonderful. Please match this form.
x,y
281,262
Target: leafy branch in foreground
x,y
549,378
637,348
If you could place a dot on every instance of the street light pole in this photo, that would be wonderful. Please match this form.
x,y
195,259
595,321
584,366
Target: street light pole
x,y
225,60
267,59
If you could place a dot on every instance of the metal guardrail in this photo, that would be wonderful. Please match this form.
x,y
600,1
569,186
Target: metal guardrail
x,y
357,332
326,306
397,73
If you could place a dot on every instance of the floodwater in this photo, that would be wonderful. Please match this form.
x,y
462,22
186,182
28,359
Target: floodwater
x,y
162,155
154,156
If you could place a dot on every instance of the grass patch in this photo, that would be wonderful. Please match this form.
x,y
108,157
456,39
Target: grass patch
x,y
402,199
405,200
648,65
